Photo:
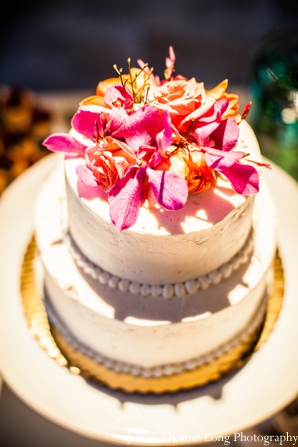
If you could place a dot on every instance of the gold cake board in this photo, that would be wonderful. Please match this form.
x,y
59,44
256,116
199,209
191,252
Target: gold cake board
x,y
56,346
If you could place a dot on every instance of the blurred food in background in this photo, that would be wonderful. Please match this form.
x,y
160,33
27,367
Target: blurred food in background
x,y
24,124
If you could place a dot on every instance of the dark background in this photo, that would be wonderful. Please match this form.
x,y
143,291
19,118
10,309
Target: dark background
x,y
63,44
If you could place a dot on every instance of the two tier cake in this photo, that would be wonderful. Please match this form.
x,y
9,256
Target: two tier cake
x,y
156,233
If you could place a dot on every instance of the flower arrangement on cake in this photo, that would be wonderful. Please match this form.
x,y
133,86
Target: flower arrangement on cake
x,y
145,140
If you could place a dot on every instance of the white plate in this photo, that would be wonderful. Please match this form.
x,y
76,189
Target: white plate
x,y
267,383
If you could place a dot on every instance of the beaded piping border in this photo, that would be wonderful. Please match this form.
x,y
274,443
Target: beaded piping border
x,y
167,291
162,370
58,349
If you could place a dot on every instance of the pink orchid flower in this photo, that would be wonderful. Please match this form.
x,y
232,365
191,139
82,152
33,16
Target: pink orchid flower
x,y
94,121
147,133
118,96
63,142
244,178
216,138
126,197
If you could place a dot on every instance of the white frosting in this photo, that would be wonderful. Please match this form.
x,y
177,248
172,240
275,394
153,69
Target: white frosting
x,y
162,370
163,247
167,290
147,331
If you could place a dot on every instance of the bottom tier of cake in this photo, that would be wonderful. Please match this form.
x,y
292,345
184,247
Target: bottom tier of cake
x,y
136,329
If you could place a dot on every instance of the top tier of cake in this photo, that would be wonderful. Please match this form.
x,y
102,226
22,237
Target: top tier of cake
x,y
163,247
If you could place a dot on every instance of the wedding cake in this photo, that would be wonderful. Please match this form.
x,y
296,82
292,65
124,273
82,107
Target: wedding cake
x,y
156,233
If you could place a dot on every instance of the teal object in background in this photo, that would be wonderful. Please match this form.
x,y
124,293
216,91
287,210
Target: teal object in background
x,y
273,90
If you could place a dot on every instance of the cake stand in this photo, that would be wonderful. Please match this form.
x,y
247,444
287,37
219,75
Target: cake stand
x,y
264,385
